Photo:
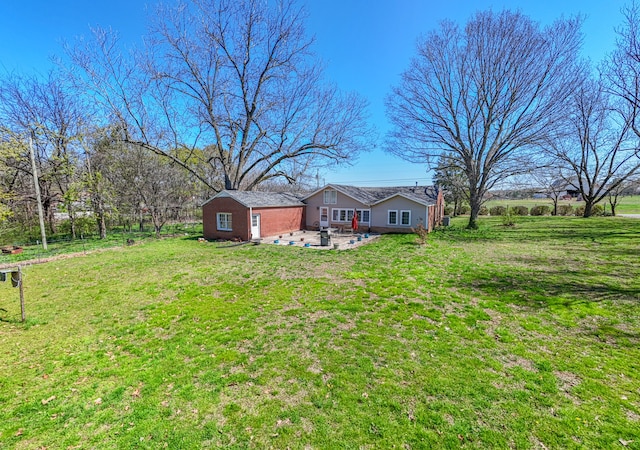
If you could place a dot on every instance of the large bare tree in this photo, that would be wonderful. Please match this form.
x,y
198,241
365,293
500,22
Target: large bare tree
x,y
236,78
601,152
488,93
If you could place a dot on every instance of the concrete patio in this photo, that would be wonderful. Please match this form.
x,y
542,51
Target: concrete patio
x,y
338,241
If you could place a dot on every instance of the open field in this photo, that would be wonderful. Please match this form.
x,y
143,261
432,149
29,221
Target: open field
x,y
626,205
521,337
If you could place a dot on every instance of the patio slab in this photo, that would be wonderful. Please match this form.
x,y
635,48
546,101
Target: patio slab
x,y
343,241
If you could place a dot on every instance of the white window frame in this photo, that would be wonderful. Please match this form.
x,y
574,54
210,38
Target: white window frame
x,y
346,214
330,196
361,213
402,223
395,212
224,221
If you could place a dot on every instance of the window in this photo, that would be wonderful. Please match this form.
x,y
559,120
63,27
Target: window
x,y
363,215
224,221
392,217
345,215
405,217
330,197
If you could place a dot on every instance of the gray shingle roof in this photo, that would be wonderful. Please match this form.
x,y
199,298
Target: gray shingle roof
x,y
372,195
254,199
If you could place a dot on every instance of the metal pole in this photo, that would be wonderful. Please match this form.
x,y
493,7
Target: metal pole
x,y
22,310
38,198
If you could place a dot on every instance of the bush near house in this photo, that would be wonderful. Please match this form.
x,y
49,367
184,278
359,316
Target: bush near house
x,y
498,210
484,211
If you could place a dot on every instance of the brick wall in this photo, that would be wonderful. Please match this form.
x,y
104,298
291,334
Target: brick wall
x,y
275,221
239,219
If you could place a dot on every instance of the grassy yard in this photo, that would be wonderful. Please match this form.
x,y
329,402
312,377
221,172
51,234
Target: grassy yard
x,y
626,205
522,337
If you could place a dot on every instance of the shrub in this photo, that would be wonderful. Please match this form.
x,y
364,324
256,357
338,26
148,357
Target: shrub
x,y
509,219
565,210
464,209
540,210
519,210
421,232
84,226
484,211
448,210
596,210
497,210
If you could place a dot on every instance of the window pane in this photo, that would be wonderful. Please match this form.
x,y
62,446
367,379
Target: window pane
x,y
343,215
365,216
393,217
336,215
330,196
349,215
224,221
406,218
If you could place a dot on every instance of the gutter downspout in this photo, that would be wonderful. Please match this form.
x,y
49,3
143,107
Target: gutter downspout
x,y
250,222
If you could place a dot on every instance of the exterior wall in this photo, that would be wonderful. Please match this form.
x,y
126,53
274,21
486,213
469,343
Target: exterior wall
x,y
274,221
343,201
239,219
379,215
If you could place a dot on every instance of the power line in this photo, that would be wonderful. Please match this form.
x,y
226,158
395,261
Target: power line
x,y
391,180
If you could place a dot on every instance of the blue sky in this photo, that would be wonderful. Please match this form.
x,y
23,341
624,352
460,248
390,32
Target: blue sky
x,y
366,45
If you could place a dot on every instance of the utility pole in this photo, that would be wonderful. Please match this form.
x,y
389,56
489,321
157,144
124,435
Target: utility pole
x,y
38,198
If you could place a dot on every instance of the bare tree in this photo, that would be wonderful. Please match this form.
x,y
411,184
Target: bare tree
x,y
550,179
235,78
489,94
622,69
601,152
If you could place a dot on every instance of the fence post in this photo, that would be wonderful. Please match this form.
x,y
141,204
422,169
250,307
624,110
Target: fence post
x,y
22,310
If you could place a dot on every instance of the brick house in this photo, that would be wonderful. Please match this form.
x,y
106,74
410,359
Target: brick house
x,y
250,215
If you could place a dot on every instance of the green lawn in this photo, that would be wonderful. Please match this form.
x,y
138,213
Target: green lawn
x,y
520,337
626,204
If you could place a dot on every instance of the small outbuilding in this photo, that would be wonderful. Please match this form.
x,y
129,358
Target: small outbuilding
x,y
247,215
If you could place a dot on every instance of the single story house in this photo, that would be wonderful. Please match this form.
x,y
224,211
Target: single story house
x,y
246,215
250,215
379,209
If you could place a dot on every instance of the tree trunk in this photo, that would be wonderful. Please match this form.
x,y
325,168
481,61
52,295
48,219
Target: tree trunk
x,y
588,209
475,201
102,225
613,201
72,221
